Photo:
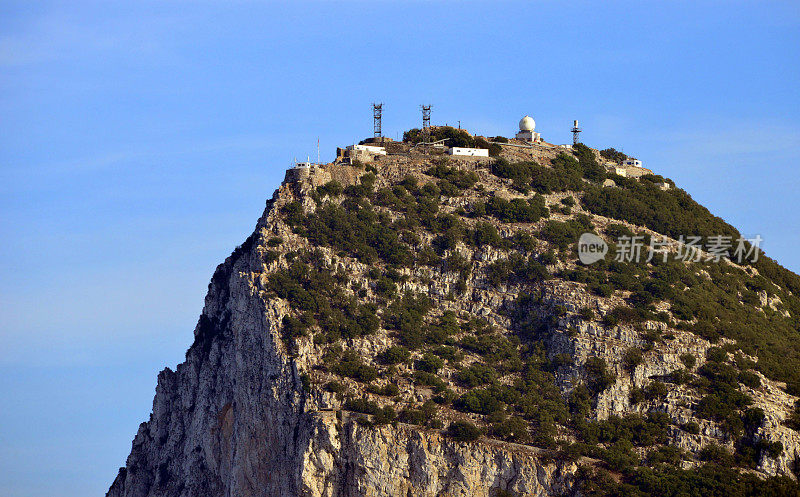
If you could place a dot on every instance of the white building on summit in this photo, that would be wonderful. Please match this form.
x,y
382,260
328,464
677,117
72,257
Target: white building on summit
x,y
526,130
470,152
632,163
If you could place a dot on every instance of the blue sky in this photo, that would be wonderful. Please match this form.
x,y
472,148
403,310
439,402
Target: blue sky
x,y
140,140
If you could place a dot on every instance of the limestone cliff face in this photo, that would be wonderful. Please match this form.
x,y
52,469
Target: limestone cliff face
x,y
233,419
345,458
244,416
228,421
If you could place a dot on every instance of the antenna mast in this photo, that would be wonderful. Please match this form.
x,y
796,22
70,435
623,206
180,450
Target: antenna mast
x,y
426,123
377,114
575,131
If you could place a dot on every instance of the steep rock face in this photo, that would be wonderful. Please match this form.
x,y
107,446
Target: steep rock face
x,y
345,458
226,422
233,419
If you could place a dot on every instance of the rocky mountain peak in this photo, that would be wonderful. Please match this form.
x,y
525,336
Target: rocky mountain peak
x,y
418,323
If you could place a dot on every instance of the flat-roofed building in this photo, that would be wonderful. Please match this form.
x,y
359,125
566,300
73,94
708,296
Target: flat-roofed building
x,y
469,152
632,163
370,149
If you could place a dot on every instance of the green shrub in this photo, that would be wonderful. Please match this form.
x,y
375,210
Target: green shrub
x,y
293,212
352,366
565,234
362,405
455,137
517,210
665,454
431,380
448,353
357,229
655,390
305,380
412,416
464,431
461,180
520,172
293,327
512,429
744,363
722,407
457,263
623,434
388,390
631,358
485,234
430,363
613,155
679,377
516,269
716,354
334,387
271,256
671,212
476,374
623,314
385,415
586,313
494,149
406,315
749,379
707,479
717,454
590,169
444,398
793,420
332,188
620,456
598,376
688,360
753,418
602,290
479,401
691,427
492,347
773,449
636,395
385,287
394,355
441,331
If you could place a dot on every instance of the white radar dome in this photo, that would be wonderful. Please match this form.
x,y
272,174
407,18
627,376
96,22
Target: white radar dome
x,y
527,124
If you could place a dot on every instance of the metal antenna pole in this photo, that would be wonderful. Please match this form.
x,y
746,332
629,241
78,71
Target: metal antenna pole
x,y
377,114
426,122
575,131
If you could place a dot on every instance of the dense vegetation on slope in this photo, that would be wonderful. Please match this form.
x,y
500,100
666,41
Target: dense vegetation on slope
x,y
508,380
455,138
665,479
712,304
